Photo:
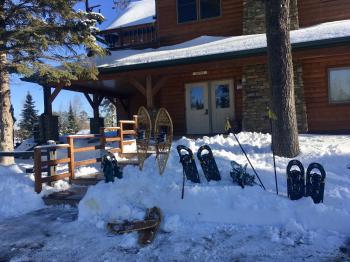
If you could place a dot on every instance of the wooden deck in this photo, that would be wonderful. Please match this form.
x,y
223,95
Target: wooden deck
x,y
79,188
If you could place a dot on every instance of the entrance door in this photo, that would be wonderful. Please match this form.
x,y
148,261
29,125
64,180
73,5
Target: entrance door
x,y
197,108
222,104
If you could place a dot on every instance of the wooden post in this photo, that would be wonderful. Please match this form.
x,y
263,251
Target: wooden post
x,y
102,138
135,118
52,155
71,164
47,102
37,170
121,137
149,93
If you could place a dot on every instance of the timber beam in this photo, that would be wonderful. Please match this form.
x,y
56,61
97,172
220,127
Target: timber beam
x,y
149,91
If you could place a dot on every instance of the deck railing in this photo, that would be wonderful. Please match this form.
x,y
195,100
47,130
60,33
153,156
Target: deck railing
x,y
126,127
139,36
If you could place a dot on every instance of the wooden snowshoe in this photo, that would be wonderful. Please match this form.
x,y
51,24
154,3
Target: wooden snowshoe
x,y
188,163
163,134
148,235
131,226
208,163
315,182
295,180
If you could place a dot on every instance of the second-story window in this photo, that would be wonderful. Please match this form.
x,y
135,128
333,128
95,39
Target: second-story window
x,y
186,10
191,10
210,8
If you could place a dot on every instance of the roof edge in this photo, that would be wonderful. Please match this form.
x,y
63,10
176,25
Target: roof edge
x,y
223,56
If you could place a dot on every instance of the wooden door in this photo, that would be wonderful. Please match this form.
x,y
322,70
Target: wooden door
x,y
222,104
197,108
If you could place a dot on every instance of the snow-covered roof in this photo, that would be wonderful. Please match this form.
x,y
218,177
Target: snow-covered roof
x,y
137,13
208,45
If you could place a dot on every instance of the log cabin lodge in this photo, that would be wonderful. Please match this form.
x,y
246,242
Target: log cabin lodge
x,y
205,60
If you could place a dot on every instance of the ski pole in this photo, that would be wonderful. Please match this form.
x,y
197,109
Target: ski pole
x,y
183,184
271,117
228,127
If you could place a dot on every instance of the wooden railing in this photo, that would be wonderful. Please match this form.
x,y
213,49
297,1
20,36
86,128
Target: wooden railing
x,y
137,36
102,139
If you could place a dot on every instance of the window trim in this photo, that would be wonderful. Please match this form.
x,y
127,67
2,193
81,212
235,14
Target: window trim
x,y
199,19
329,85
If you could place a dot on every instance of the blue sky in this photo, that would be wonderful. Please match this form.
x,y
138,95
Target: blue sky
x,y
19,88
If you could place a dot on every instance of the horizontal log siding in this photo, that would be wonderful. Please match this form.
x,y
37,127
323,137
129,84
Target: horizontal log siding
x,y
172,95
313,12
323,116
170,32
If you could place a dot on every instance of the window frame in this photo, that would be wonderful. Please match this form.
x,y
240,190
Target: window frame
x,y
198,19
329,70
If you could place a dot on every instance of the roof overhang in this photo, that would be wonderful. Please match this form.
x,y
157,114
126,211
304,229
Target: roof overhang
x,y
224,56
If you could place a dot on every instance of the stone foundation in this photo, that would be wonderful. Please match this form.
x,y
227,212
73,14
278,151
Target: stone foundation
x,y
254,16
256,98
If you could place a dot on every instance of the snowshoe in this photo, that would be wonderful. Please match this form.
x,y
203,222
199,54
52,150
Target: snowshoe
x,y
110,168
295,180
315,182
240,176
188,163
148,235
208,163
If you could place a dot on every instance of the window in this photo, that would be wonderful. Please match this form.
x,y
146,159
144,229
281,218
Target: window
x,y
339,85
210,8
197,98
222,96
191,10
186,10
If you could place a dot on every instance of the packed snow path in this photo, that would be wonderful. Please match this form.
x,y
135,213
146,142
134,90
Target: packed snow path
x,y
53,234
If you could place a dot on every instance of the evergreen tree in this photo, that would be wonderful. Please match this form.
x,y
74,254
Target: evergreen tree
x,y
29,117
72,125
35,32
285,141
109,112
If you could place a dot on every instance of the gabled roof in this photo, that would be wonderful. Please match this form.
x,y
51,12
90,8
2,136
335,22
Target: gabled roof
x,y
137,13
207,48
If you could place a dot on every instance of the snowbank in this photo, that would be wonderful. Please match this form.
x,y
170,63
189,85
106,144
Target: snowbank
x,y
208,45
225,203
17,194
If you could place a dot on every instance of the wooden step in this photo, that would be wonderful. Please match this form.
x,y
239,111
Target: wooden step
x,y
70,197
89,180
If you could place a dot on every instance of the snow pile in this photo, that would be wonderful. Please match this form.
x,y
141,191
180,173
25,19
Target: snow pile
x,y
208,45
225,203
137,13
26,145
17,194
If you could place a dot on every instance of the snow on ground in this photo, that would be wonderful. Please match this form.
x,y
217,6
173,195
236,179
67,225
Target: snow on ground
x,y
208,45
215,205
217,221
17,195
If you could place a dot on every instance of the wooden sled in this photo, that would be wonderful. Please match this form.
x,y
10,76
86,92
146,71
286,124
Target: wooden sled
x,y
155,131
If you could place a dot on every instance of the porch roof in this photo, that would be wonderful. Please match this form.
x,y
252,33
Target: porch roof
x,y
207,48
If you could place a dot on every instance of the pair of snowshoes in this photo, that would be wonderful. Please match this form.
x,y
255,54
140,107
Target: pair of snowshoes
x,y
147,228
111,170
312,185
206,159
240,175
